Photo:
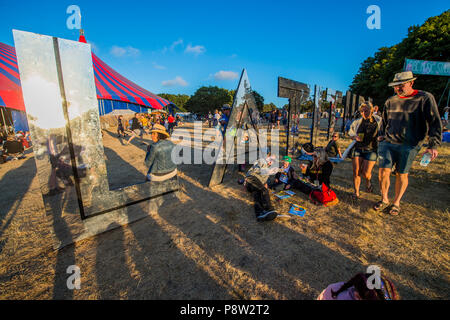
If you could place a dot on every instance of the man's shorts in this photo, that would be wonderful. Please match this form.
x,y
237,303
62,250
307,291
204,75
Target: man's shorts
x,y
365,154
137,132
400,155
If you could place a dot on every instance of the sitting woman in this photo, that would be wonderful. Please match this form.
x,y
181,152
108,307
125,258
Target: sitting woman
x,y
286,176
320,168
159,156
365,132
357,289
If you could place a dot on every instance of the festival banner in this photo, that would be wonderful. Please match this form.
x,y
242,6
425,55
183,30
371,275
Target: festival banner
x,y
435,68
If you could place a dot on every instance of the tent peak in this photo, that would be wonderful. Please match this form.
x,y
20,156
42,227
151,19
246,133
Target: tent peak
x,y
82,38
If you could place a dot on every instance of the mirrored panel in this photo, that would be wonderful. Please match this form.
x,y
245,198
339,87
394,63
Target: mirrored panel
x,y
240,142
60,98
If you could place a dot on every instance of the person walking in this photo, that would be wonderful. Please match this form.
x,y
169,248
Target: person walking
x,y
136,130
365,132
407,118
120,128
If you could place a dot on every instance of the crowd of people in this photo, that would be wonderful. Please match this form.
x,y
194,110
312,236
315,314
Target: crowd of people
x,y
13,145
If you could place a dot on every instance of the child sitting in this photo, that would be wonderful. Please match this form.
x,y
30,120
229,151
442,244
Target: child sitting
x,y
285,176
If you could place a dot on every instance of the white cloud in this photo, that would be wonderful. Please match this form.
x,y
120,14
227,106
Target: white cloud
x,y
157,66
178,81
125,51
176,43
196,50
234,55
226,75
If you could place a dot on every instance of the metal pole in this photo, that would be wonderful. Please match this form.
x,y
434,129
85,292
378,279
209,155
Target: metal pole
x,y
439,103
288,126
4,121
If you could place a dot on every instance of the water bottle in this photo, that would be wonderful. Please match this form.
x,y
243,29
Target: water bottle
x,y
425,160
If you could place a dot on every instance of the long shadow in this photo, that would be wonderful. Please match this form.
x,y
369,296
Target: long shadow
x,y
137,142
11,201
133,176
65,256
254,247
112,271
167,273
426,280
147,260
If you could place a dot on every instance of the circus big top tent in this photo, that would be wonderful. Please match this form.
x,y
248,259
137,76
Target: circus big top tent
x,y
114,91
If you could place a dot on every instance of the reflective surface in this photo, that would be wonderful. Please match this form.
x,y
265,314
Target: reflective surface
x,y
240,129
66,132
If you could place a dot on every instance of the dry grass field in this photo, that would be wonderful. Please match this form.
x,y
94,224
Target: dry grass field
x,y
206,243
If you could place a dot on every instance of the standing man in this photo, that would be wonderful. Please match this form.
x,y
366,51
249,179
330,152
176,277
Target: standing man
x,y
171,122
136,129
225,118
407,118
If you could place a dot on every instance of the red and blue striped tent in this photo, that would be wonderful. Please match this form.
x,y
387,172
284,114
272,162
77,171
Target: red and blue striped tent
x,y
114,91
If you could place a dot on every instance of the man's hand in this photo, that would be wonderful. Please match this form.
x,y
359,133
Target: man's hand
x,y
433,152
380,138
288,186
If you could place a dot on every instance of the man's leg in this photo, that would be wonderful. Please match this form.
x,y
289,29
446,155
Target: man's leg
x,y
401,184
406,157
384,175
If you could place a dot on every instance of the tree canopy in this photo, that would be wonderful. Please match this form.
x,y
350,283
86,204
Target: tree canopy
x,y
208,99
430,41
178,99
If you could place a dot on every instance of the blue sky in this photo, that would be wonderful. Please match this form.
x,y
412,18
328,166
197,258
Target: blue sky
x,y
179,46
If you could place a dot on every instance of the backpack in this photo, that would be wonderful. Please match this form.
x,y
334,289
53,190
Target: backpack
x,y
326,196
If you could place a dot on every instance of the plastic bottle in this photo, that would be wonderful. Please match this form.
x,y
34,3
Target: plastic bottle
x,y
425,160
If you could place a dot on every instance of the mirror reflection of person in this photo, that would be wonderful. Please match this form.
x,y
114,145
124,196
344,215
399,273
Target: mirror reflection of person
x,y
159,156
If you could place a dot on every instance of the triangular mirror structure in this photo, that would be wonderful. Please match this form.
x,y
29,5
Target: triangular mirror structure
x,y
241,139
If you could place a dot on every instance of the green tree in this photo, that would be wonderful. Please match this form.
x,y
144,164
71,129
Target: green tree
x,y
269,107
259,100
178,99
430,41
208,99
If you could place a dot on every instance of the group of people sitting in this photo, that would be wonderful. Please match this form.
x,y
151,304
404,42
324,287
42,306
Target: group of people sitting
x,y
265,175
13,148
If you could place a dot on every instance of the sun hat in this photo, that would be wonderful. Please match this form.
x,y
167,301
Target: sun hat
x,y
160,129
402,77
226,107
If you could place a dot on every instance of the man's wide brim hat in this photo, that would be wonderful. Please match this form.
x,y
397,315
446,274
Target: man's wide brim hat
x,y
160,129
402,77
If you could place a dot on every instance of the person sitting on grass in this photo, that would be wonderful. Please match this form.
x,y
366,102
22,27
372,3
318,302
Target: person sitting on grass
x,y
286,176
13,149
320,168
158,157
332,147
256,183
357,289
